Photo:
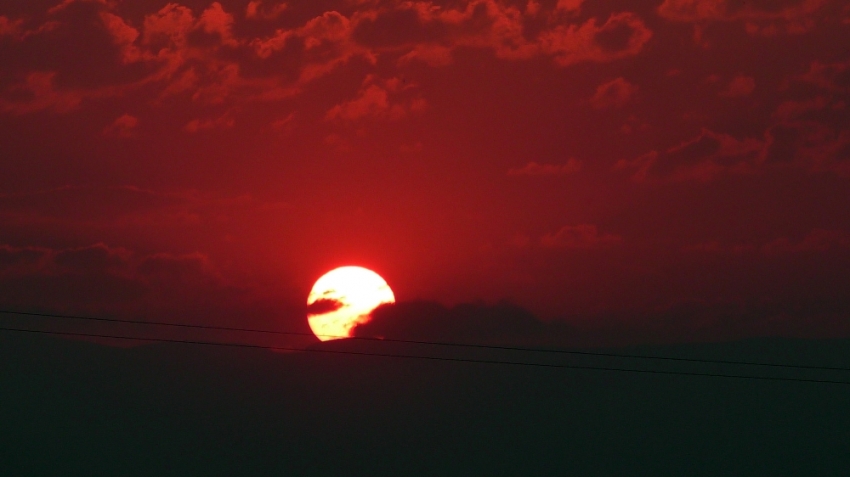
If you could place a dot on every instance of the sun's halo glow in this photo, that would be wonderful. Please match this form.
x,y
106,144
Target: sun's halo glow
x,y
343,298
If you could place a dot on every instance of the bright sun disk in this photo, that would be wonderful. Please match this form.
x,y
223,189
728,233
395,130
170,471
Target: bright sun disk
x,y
343,298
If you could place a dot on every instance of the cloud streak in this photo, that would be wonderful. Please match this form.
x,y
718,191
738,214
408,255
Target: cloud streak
x,y
572,166
582,236
206,53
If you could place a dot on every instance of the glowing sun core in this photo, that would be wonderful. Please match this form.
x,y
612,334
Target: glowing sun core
x,y
343,298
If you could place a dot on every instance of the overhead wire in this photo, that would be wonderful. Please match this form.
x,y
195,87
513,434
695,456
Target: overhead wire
x,y
436,358
437,343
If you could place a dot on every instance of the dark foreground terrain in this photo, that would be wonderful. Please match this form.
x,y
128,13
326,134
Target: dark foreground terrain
x,y
76,408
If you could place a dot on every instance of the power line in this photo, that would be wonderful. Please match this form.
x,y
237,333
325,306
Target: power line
x,y
435,358
437,343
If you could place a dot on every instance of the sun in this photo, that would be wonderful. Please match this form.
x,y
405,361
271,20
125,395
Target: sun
x,y
343,298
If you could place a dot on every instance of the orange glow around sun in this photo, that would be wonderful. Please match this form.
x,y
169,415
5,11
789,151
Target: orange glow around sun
x,y
343,298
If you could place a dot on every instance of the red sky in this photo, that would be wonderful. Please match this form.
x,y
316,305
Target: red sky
x,y
599,163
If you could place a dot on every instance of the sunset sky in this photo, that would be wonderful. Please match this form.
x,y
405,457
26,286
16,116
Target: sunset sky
x,y
679,169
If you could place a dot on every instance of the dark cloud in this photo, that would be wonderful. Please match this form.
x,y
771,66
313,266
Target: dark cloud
x,y
766,18
257,9
622,35
572,166
87,279
202,52
833,77
222,122
128,207
781,145
465,323
379,98
13,256
178,269
323,305
400,26
87,203
510,325
97,259
614,93
99,280
810,128
703,158
818,241
739,87
582,236
124,126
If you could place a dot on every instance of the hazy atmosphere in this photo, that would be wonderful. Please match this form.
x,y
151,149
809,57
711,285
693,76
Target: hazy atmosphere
x,y
669,176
